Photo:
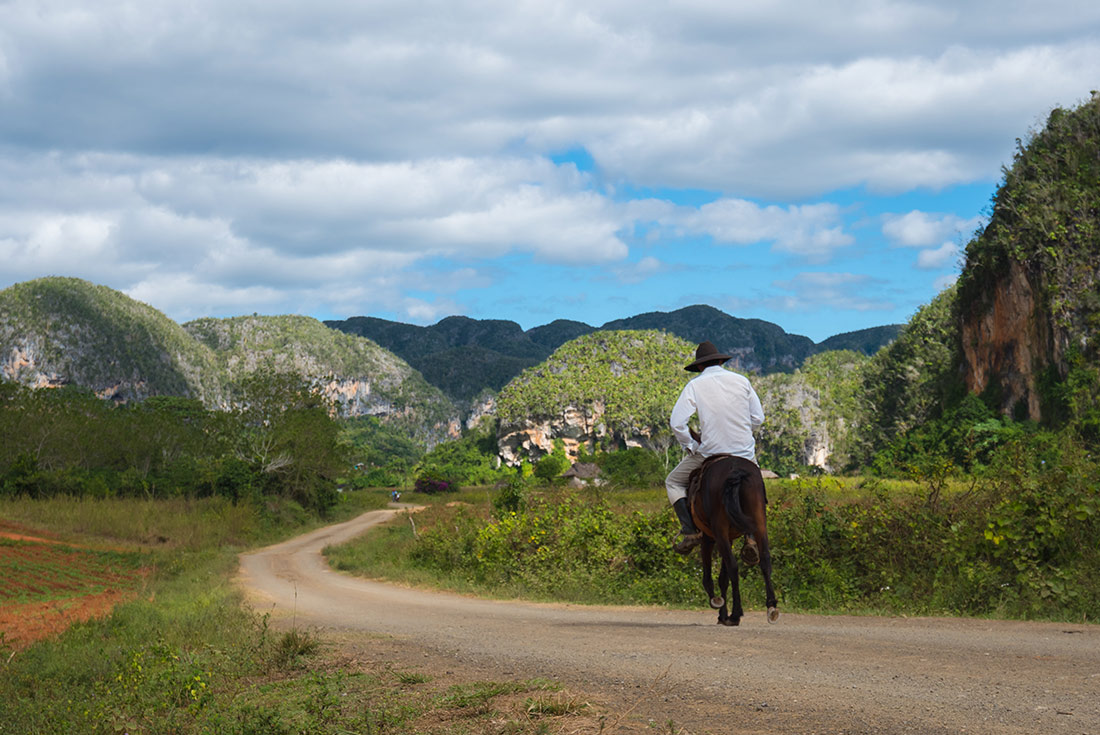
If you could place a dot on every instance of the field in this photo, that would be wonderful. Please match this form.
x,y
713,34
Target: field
x,y
179,653
49,585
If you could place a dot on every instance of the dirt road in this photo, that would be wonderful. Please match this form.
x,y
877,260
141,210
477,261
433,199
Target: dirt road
x,y
804,674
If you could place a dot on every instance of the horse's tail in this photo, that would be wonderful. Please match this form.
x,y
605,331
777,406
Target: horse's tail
x,y
731,496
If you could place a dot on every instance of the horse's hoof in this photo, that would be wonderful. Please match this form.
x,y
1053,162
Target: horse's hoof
x,y
717,603
773,614
731,622
750,554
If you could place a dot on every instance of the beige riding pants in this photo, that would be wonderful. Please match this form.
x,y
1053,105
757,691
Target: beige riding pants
x,y
676,484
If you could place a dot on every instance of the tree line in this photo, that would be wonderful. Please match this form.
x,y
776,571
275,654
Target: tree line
x,y
279,439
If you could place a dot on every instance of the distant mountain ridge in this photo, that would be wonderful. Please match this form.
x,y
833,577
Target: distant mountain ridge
x,y
467,357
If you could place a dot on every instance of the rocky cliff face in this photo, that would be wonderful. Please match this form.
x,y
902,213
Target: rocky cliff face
x,y
1029,301
1006,343
576,427
24,364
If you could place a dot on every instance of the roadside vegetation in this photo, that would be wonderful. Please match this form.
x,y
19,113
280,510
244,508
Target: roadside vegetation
x,y
996,542
185,656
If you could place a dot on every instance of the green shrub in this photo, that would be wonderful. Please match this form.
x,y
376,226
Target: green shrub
x,y
550,467
633,467
510,498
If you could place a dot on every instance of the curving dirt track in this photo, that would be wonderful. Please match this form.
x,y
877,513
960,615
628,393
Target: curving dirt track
x,y
804,674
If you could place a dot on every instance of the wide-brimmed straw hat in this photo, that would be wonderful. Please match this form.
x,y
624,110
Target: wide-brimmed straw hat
x,y
706,353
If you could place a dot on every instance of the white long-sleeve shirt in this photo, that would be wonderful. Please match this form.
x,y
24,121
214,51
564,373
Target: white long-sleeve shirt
x,y
729,411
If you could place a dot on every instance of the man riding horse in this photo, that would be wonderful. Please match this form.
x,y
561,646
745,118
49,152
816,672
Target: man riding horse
x,y
729,411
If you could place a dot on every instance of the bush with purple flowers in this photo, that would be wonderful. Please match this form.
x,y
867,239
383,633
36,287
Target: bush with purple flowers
x,y
431,485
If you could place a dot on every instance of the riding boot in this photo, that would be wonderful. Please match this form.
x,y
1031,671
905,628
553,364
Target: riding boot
x,y
691,535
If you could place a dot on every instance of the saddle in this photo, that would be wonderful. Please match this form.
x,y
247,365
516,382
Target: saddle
x,y
695,479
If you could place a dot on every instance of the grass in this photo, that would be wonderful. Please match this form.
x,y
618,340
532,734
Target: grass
x,y
35,572
188,658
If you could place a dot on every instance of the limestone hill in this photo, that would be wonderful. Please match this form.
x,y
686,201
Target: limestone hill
x,y
61,331
66,331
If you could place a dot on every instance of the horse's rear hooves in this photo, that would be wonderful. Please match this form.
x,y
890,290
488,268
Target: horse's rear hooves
x,y
731,622
773,614
717,603
750,554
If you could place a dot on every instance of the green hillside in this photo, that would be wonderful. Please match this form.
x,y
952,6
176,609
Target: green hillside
x,y
361,377
57,331
466,358
610,388
867,341
621,385
813,415
65,331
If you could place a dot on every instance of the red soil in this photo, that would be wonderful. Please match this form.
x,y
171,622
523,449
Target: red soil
x,y
79,585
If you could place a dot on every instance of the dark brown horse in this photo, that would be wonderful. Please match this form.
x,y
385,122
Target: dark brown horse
x,y
729,503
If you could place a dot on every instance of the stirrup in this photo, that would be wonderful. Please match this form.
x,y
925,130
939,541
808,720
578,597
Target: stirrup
x,y
687,543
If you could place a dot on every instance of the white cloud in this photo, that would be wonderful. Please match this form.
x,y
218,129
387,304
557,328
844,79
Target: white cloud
x,y
943,282
426,312
760,101
811,230
936,258
923,229
644,269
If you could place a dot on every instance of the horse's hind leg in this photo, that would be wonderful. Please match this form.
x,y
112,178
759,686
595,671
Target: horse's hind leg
x,y
728,575
766,570
750,552
706,550
723,584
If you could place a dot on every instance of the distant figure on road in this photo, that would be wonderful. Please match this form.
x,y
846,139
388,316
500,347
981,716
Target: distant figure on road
x,y
729,412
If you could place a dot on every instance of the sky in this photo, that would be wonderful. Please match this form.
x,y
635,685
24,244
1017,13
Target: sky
x,y
817,164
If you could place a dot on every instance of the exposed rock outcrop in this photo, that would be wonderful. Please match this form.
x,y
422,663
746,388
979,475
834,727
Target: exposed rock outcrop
x,y
1029,302
575,427
602,389
1006,341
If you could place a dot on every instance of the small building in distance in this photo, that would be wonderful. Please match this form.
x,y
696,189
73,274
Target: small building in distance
x,y
582,474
